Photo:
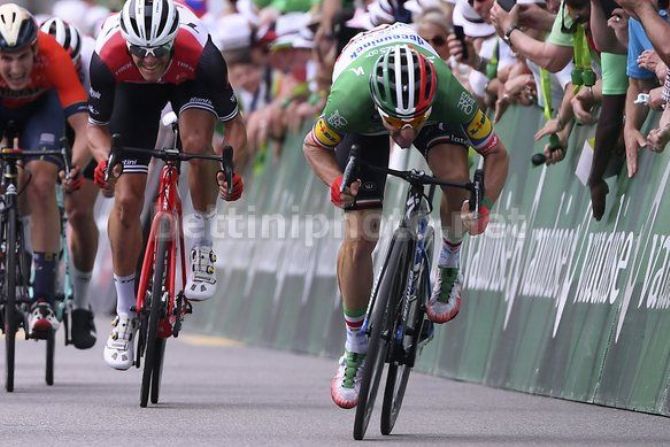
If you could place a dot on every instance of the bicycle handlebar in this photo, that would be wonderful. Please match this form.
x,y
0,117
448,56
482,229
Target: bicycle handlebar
x,y
170,155
8,153
416,178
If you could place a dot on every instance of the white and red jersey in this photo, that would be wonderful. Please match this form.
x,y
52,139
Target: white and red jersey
x,y
194,58
188,48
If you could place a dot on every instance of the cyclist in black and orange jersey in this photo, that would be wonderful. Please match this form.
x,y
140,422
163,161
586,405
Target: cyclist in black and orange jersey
x,y
39,91
150,54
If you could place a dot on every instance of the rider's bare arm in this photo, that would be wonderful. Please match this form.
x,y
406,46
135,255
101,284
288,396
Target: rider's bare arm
x,y
81,155
100,140
236,136
321,159
496,165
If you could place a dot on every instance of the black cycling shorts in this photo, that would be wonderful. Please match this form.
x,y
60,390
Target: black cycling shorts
x,y
375,150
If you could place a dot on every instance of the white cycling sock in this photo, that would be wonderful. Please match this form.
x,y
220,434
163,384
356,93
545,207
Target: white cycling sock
x,y
450,254
203,228
125,294
80,283
27,240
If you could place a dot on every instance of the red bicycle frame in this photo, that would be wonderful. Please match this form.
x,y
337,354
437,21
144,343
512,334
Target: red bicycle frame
x,y
168,206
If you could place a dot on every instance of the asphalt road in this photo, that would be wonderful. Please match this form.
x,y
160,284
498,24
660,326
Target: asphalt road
x,y
216,392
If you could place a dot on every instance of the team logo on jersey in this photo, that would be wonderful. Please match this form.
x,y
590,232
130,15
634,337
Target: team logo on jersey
x,y
336,120
325,135
479,128
466,103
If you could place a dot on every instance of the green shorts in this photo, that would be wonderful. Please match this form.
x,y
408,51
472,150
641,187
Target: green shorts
x,y
615,81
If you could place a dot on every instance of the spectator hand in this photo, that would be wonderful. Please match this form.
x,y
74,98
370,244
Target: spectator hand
x,y
554,156
582,105
634,142
656,98
648,60
503,20
456,50
551,126
658,139
618,22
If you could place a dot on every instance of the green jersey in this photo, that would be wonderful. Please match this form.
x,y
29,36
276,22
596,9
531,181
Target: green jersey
x,y
351,109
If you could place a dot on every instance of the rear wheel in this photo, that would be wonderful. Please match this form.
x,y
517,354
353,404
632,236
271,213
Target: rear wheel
x,y
9,292
156,313
398,371
380,327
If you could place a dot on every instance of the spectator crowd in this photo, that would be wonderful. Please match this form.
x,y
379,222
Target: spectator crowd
x,y
601,62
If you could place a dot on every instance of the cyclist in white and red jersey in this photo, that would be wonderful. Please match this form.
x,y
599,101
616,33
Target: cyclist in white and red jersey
x,y
150,54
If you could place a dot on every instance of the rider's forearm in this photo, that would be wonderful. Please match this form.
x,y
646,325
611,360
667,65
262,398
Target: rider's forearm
x,y
236,136
81,155
496,165
323,161
100,141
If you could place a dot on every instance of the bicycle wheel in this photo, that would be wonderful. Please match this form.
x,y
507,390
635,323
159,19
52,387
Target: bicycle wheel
x,y
155,314
9,317
157,370
51,350
380,326
398,371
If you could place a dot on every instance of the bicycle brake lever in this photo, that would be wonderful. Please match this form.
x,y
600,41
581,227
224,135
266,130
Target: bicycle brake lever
x,y
349,169
113,156
65,150
228,167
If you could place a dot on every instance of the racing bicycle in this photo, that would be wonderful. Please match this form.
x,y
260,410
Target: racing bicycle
x,y
395,319
161,306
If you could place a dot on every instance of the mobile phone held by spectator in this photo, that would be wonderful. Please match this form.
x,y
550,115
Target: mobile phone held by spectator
x,y
460,35
507,5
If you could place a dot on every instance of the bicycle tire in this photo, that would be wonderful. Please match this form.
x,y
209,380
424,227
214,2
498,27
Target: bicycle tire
x,y
9,316
155,313
379,325
398,373
157,370
51,351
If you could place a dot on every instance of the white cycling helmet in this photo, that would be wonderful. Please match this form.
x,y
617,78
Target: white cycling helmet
x,y
17,28
149,23
66,35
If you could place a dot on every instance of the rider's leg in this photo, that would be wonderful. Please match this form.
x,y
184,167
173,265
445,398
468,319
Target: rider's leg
x,y
125,236
45,229
354,271
196,130
449,162
82,237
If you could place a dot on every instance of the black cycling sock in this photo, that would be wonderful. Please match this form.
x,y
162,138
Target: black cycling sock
x,y
44,282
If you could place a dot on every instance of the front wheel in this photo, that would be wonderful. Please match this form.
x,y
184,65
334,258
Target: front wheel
x,y
399,369
155,315
9,296
380,327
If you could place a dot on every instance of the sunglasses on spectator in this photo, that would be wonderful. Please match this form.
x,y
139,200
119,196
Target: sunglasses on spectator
x,y
157,52
399,123
437,41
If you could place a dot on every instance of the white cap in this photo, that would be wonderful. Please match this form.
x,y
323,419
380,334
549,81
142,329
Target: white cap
x,y
531,2
231,32
418,6
473,25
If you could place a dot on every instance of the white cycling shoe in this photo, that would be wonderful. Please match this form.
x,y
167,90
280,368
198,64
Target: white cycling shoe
x,y
119,352
346,384
201,285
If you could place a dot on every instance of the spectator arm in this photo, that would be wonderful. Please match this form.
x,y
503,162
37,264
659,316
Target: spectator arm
x,y
552,57
657,30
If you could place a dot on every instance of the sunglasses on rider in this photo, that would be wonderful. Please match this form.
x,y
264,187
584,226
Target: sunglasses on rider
x,y
157,52
399,123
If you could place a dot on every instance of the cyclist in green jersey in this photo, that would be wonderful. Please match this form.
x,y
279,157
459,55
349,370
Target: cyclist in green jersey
x,y
390,82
